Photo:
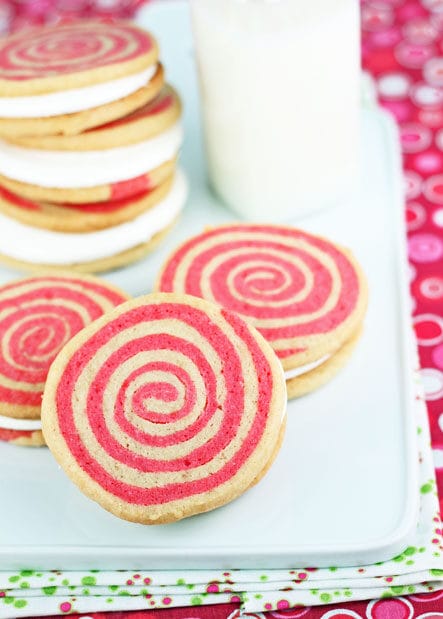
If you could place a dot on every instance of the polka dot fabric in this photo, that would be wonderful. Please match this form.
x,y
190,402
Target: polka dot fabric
x,y
414,607
402,47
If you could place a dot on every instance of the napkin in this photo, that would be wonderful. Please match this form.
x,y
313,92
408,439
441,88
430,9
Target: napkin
x,y
418,569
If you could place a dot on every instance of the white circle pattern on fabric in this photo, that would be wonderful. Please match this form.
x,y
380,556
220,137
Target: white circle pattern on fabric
x,y
438,453
432,287
416,215
415,137
381,609
433,72
341,613
393,85
432,383
437,217
433,186
426,96
413,183
420,31
413,56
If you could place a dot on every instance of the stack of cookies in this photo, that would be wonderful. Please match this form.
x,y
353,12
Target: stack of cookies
x,y
89,139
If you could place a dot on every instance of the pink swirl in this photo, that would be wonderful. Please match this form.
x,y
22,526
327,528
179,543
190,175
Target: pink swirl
x,y
81,46
163,390
38,316
287,283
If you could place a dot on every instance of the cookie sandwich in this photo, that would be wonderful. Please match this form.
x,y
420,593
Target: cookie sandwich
x,y
166,407
70,77
306,295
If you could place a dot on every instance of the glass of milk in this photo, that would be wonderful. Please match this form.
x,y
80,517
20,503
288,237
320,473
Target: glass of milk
x,y
279,84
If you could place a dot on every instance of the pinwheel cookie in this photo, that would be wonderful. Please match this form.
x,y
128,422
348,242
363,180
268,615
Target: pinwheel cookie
x,y
306,295
166,407
70,77
38,315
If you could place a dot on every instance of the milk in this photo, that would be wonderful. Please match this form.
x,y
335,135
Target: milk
x,y
280,99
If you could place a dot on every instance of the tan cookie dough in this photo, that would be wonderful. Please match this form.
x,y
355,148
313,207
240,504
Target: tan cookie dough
x,y
24,439
83,218
86,195
145,122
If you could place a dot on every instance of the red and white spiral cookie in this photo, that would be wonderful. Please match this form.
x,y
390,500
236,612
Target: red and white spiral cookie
x,y
72,55
178,408
38,316
306,295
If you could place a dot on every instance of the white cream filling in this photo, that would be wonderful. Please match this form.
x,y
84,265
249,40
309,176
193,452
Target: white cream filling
x,y
75,99
72,169
9,423
38,246
304,369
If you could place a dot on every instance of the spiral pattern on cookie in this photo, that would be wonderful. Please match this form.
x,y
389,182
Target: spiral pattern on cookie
x,y
165,403
38,316
58,50
293,287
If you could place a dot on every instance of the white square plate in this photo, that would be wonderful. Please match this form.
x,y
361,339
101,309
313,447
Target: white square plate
x,y
343,489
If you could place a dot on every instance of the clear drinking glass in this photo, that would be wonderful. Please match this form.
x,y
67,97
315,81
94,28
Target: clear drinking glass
x,y
279,83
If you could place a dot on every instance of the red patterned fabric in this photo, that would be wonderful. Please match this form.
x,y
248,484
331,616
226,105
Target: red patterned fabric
x,y
425,606
402,47
18,14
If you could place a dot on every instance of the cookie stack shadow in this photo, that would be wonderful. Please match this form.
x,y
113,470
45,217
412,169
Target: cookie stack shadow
x,y
89,138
